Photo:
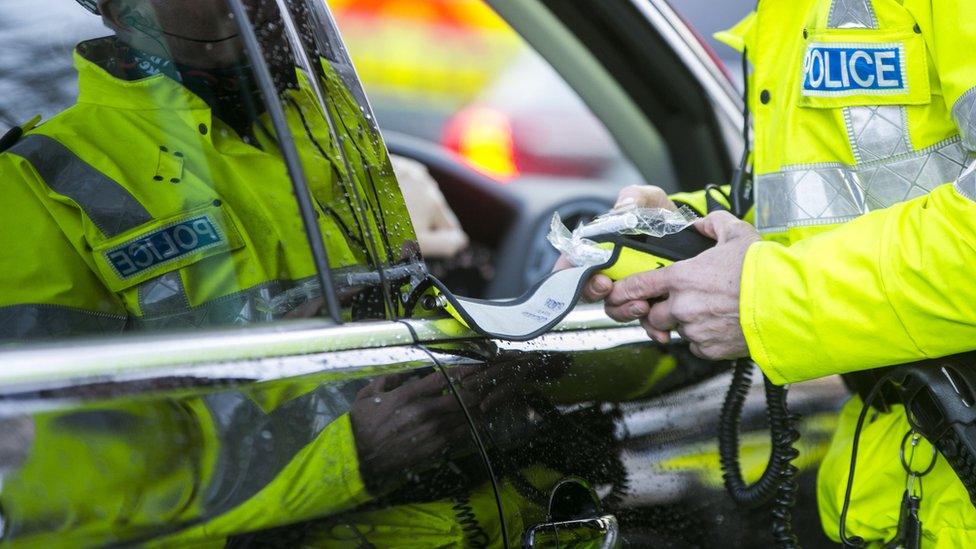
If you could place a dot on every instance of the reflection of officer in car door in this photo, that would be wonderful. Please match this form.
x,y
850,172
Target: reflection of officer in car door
x,y
227,463
532,444
153,195
860,107
144,197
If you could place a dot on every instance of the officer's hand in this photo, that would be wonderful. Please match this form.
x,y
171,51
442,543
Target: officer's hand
x,y
645,196
698,297
402,422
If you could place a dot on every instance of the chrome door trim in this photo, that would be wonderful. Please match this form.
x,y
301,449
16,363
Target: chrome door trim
x,y
108,358
23,397
684,43
264,352
588,316
606,525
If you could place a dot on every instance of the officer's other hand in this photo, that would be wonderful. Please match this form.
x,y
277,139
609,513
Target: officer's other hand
x,y
402,422
698,297
641,196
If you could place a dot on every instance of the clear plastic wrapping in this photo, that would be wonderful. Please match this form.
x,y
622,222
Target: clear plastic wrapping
x,y
581,251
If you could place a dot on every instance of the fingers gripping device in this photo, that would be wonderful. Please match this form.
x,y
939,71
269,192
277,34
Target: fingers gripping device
x,y
619,245
613,245
619,252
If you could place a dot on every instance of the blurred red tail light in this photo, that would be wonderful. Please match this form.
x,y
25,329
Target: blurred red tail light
x,y
483,137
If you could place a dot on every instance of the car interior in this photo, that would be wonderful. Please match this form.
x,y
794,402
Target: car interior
x,y
665,125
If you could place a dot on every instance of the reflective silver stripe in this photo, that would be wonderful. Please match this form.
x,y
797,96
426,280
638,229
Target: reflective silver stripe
x,y
256,446
19,434
39,321
877,132
966,184
964,114
163,295
852,14
165,304
820,194
107,204
874,132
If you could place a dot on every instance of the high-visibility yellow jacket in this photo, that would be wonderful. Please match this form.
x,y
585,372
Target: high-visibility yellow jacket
x,y
196,471
865,126
138,207
125,471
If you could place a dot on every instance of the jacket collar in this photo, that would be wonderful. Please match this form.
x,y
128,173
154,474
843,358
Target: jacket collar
x,y
152,85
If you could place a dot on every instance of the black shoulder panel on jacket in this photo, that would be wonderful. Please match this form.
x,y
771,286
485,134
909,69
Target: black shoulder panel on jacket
x,y
10,138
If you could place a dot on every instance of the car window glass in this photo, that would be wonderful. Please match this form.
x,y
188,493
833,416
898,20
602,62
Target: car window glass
x,y
453,72
332,107
152,194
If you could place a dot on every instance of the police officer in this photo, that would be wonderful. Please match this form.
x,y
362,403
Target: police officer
x,y
863,245
161,199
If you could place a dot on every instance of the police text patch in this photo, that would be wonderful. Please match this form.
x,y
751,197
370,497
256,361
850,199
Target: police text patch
x,y
854,69
164,245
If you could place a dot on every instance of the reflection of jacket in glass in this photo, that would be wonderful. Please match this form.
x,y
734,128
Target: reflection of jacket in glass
x,y
203,467
145,209
244,465
155,212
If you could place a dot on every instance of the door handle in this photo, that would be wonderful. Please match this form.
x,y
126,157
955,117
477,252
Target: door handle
x,y
599,532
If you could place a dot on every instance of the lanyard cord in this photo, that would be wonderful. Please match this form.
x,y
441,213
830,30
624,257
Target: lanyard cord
x,y
856,541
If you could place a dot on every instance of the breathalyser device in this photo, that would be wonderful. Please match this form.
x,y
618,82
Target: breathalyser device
x,y
618,244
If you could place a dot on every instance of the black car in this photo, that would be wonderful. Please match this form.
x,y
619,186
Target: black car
x,y
379,420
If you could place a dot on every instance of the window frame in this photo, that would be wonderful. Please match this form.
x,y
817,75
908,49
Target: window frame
x,y
388,271
218,352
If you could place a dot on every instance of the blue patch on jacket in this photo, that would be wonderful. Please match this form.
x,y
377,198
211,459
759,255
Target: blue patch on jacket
x,y
163,245
848,69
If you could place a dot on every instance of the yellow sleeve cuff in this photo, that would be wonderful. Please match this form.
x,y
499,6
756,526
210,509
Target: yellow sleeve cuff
x,y
696,199
890,287
748,318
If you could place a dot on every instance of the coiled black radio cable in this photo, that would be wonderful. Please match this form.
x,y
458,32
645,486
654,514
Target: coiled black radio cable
x,y
474,535
777,487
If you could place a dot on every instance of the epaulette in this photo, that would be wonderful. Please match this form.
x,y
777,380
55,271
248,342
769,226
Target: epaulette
x,y
14,134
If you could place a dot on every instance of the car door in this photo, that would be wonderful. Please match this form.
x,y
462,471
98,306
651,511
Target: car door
x,y
285,412
595,432
592,431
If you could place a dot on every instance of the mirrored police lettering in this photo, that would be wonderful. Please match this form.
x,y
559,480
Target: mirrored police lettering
x,y
163,245
829,68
